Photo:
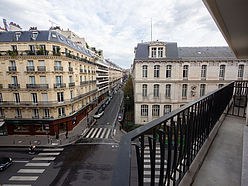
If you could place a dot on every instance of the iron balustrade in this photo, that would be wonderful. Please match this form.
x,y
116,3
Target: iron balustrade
x,y
41,68
84,82
12,69
37,86
58,68
60,85
14,86
30,68
178,135
72,84
70,69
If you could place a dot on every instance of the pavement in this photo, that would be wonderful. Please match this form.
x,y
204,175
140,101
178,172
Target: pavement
x,y
49,141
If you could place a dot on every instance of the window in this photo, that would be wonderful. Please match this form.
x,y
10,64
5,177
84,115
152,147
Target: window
x,y
57,63
220,85
14,47
160,52
34,35
144,90
18,113
72,108
184,90
71,93
17,97
44,97
61,111
144,110
32,80
240,71
155,110
168,91
81,79
30,63
42,63
204,71
34,97
156,70
60,96
12,63
14,80
59,80
1,113
43,80
17,35
1,98
35,113
167,109
31,47
202,89
222,71
168,71
156,90
144,71
185,71
46,113
154,52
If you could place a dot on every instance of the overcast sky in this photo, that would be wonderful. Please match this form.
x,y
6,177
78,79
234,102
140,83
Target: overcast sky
x,y
116,26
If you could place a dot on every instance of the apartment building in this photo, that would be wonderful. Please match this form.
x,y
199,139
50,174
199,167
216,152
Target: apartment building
x,y
166,76
116,75
47,82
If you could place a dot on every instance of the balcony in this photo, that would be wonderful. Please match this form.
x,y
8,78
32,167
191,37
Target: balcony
x,y
14,86
170,149
84,82
37,86
12,69
41,68
72,84
58,68
30,68
70,69
60,85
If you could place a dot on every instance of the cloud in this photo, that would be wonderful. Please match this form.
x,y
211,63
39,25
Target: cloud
x,y
117,26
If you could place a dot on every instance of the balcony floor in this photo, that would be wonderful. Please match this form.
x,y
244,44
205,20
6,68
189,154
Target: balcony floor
x,y
223,163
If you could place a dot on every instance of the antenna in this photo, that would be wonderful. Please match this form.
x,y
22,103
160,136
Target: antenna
x,y
151,28
52,22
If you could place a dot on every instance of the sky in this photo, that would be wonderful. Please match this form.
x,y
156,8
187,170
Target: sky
x,y
117,26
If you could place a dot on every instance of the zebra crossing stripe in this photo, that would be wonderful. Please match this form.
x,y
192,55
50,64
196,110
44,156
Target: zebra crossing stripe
x,y
156,160
31,171
104,130
15,185
92,136
107,135
37,164
89,133
149,166
48,153
23,178
44,158
148,155
98,133
148,180
51,150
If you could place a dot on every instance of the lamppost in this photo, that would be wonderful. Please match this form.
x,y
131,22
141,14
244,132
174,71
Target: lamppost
x,y
127,98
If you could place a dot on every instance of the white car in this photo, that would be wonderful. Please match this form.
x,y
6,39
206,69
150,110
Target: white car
x,y
98,115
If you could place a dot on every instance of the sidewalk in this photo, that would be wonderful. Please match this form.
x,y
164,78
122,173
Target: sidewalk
x,y
49,141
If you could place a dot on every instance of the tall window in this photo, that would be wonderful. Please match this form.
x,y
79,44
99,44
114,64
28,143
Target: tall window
x,y
18,35
46,113
59,80
12,63
185,71
167,109
204,71
144,110
14,80
155,110
168,71
70,79
144,71
60,96
18,113
156,90
160,51
57,63
35,113
34,97
1,113
222,71
156,70
1,98
17,97
71,93
32,80
154,52
240,71
61,111
184,90
202,89
168,91
144,90
30,63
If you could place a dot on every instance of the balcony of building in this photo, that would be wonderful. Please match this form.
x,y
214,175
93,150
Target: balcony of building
x,y
37,86
58,68
41,68
14,86
70,69
59,85
12,69
30,68
208,134
72,84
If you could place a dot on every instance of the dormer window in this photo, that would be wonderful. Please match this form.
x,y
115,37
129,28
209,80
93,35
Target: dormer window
x,y
160,51
34,35
154,52
157,50
17,35
54,35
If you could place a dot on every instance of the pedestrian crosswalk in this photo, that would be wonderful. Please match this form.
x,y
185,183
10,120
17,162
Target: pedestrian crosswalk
x,y
34,168
103,133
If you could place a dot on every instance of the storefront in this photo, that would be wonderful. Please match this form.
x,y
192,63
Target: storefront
x,y
3,129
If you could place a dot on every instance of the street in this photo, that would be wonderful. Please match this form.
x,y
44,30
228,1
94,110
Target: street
x,y
88,162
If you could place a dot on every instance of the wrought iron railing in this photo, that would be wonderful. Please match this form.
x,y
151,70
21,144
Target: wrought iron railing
x,y
176,137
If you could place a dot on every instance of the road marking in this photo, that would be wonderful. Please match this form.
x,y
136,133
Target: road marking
x,y
148,155
44,158
148,180
57,149
37,164
104,130
149,166
48,153
14,185
89,133
16,161
156,160
31,171
114,131
23,178
92,136
98,133
107,135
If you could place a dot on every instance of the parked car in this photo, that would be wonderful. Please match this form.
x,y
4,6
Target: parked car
x,y
5,162
103,106
98,114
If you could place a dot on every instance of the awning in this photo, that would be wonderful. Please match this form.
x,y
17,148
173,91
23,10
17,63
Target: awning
x,y
2,123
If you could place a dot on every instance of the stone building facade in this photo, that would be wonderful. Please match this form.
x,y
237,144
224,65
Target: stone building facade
x,y
166,76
